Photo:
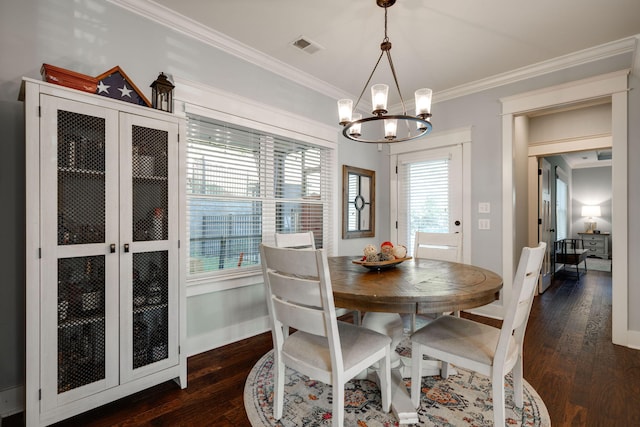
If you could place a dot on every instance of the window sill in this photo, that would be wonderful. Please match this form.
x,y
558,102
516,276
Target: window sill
x,y
223,282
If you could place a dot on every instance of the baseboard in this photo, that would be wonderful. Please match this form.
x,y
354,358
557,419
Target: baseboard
x,y
11,401
633,339
230,334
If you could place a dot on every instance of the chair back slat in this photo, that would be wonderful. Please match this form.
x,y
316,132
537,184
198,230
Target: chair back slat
x,y
307,319
296,289
302,240
440,246
281,260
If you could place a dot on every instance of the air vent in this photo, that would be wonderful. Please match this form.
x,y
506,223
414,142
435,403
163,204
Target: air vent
x,y
604,155
307,45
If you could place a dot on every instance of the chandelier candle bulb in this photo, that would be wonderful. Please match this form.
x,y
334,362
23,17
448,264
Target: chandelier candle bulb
x,y
423,102
356,129
379,95
345,107
390,128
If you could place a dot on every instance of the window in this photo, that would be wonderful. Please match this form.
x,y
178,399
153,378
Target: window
x,y
430,193
243,186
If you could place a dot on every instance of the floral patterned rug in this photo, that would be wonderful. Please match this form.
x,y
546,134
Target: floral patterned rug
x,y
461,400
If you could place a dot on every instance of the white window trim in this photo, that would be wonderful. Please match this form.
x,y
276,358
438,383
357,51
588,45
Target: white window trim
x,y
441,139
563,176
196,98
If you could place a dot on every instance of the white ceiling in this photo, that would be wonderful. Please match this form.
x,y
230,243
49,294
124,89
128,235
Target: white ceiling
x,y
442,45
436,44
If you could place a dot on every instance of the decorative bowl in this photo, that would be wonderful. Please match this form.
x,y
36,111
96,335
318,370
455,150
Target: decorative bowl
x,y
380,265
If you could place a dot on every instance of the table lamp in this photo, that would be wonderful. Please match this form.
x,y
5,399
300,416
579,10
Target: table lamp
x,y
590,211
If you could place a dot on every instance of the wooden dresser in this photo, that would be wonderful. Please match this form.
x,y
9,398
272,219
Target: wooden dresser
x,y
597,244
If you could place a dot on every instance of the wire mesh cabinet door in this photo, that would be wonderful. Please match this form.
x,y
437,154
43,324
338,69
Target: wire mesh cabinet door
x,y
79,274
149,262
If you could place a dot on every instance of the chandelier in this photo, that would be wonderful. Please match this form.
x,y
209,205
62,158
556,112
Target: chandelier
x,y
416,126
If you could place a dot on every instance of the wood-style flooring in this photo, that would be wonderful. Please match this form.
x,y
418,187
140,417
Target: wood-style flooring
x,y
581,376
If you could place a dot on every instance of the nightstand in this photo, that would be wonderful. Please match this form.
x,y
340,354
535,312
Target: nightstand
x,y
597,244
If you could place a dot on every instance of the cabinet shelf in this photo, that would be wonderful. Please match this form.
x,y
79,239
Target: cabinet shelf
x,y
76,321
149,178
82,172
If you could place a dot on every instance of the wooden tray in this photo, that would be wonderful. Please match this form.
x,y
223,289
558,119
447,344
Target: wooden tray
x,y
379,265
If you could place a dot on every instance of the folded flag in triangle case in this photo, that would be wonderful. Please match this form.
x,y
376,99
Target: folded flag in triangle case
x,y
115,84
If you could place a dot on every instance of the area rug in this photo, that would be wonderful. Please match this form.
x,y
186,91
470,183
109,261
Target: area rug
x,y
461,400
597,264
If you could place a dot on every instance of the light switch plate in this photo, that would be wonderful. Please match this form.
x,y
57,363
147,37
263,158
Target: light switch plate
x,y
484,207
484,224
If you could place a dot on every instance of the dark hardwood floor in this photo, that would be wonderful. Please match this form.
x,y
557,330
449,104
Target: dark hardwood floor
x,y
583,379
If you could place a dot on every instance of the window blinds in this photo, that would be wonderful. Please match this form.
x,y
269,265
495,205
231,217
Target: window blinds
x,y
243,186
424,198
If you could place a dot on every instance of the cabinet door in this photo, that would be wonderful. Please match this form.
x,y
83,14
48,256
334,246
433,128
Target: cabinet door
x,y
79,289
149,234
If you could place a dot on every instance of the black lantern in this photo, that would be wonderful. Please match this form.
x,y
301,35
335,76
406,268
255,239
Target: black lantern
x,y
162,94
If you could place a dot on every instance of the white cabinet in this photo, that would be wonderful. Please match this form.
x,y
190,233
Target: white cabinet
x,y
105,304
596,244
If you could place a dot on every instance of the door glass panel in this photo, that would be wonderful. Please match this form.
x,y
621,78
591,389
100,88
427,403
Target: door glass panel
x,y
150,292
81,178
150,184
81,321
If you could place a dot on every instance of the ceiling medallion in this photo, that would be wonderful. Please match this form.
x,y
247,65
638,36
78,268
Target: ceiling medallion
x,y
354,123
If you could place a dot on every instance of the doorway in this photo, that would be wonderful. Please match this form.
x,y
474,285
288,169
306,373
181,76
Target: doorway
x,y
565,185
614,86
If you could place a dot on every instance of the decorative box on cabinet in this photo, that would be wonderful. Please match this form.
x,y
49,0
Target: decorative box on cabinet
x,y
596,244
104,294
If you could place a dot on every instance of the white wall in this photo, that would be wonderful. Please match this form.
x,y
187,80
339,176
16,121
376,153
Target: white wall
x,y
591,186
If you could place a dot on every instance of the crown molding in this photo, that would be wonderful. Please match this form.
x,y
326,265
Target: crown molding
x,y
179,23
585,56
153,11
635,67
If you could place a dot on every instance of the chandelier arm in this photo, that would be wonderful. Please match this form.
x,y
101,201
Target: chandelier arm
x,y
395,79
368,80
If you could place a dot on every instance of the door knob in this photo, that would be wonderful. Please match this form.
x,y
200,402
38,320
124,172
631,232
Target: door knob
x,y
457,223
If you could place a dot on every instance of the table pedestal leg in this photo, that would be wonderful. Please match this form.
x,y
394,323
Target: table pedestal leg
x,y
391,324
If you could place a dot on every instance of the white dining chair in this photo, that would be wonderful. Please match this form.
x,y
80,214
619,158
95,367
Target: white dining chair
x,y
306,240
299,294
490,351
439,246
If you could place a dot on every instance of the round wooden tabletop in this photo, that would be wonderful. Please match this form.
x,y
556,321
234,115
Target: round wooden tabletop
x,y
415,286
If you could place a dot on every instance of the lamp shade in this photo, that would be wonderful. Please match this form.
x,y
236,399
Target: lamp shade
x,y
591,211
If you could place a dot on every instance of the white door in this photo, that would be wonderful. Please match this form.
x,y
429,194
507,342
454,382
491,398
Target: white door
x,y
545,230
429,193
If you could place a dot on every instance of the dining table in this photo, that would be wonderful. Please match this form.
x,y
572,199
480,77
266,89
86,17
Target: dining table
x,y
385,291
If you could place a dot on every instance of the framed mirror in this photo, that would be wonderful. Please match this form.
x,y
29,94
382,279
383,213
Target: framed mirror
x,y
358,202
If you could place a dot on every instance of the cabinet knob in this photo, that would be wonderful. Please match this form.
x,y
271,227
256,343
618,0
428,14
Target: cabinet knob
x,y
112,248
126,247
